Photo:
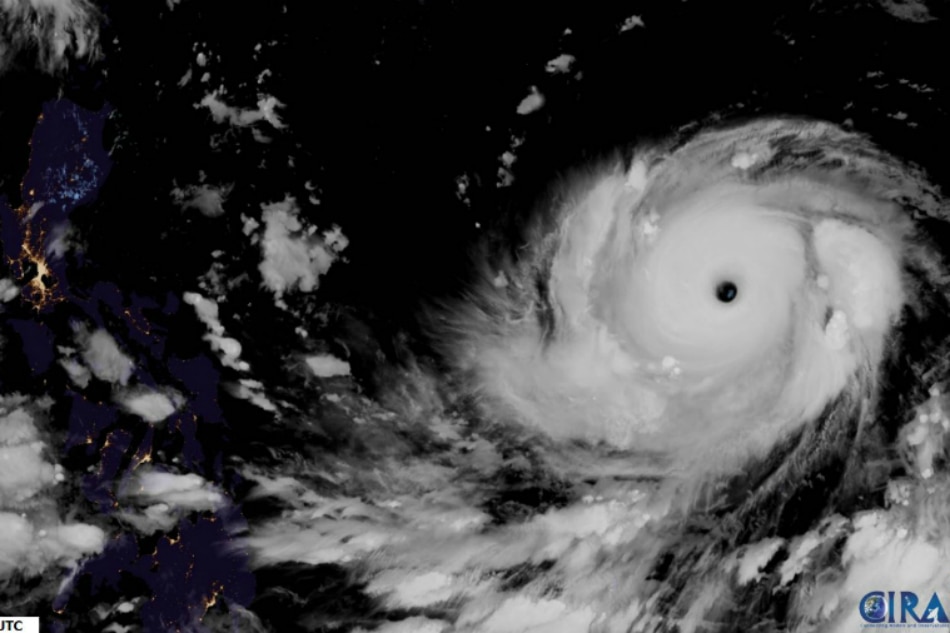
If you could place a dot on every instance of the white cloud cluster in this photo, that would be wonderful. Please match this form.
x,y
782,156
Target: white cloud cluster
x,y
151,406
55,30
288,489
28,543
104,358
17,427
60,240
294,256
229,349
909,10
756,557
521,614
416,624
222,112
802,548
23,472
207,199
413,591
17,537
532,102
32,550
437,548
560,64
326,366
881,552
424,540
78,373
189,492
8,290
632,22
159,499
252,391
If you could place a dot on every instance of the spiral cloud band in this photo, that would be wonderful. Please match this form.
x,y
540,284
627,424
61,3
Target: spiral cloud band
x,y
712,296
703,388
755,320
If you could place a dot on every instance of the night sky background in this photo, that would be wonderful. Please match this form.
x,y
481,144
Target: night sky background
x,y
395,119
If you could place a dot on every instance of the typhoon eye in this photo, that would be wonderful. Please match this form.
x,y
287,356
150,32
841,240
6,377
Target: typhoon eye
x,y
726,291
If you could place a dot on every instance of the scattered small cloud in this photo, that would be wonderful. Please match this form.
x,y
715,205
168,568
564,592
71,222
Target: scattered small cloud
x,y
507,159
462,183
631,23
229,349
532,102
560,64
250,226
240,117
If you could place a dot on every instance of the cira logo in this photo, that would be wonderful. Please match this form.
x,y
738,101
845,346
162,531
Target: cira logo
x,y
878,607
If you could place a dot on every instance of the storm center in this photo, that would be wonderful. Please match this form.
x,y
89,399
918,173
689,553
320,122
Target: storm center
x,y
726,291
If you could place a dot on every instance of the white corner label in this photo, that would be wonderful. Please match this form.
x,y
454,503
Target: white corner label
x,y
10,624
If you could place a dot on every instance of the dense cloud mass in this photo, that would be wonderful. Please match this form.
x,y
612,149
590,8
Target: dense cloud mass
x,y
34,537
631,339
730,310
54,31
